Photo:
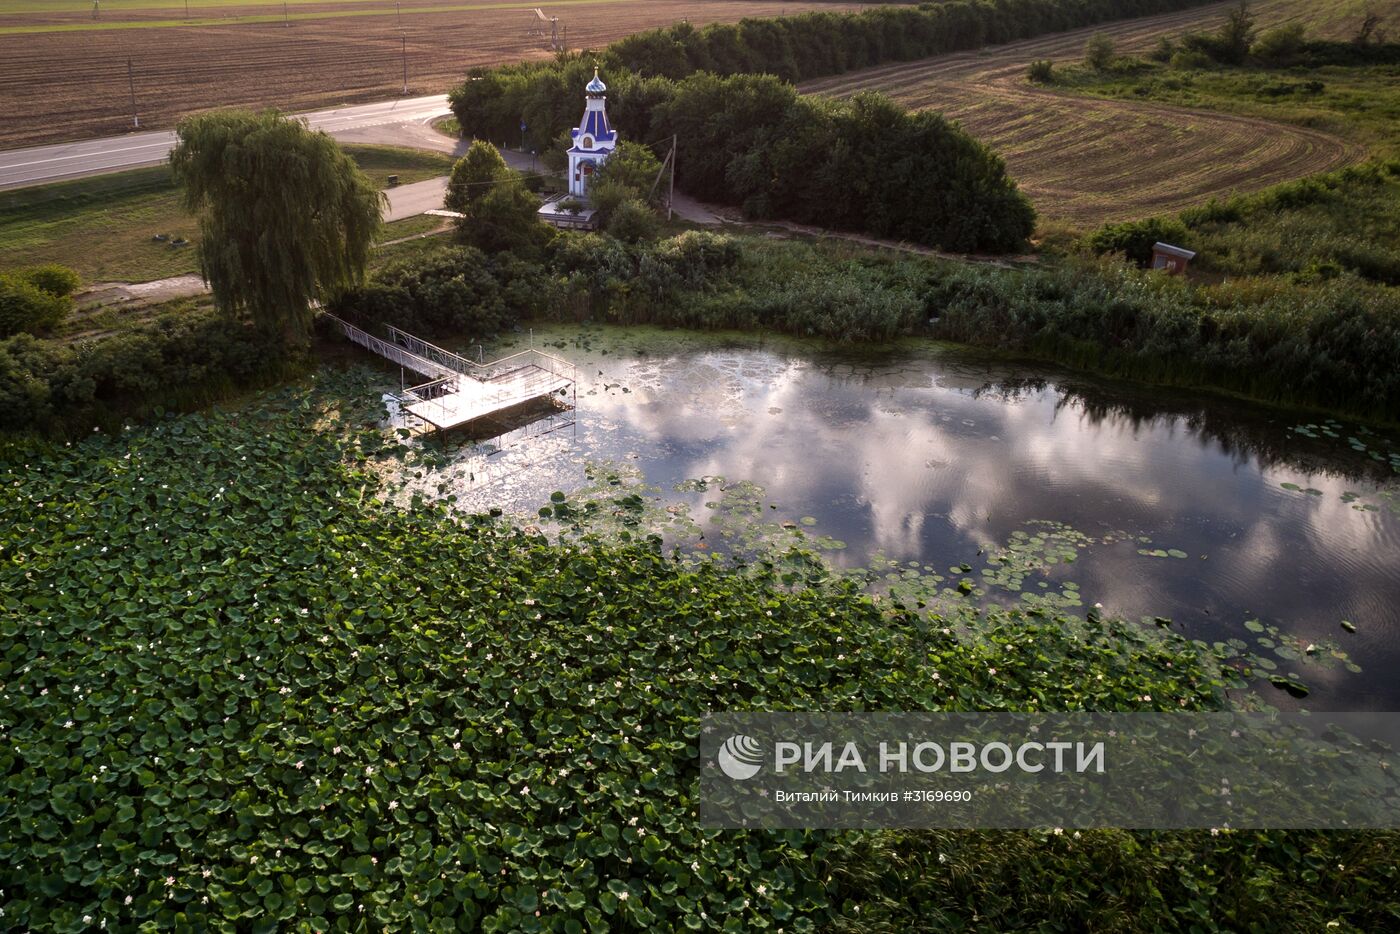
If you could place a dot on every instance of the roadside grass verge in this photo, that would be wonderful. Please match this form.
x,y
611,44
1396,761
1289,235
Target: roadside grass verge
x,y
448,126
103,227
410,165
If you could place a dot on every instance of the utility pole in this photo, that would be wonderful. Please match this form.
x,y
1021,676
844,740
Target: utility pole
x,y
187,9
671,195
398,23
403,44
131,83
286,14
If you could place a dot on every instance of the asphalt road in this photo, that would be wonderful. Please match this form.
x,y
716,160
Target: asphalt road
x,y
411,200
21,167
394,123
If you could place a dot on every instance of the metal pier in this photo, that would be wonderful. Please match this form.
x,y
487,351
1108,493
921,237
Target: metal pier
x,y
460,391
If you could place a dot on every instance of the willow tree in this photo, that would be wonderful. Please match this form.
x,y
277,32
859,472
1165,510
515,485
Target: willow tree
x,y
285,216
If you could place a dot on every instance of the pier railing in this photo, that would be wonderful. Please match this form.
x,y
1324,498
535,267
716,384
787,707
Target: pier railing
x,y
487,372
461,390
402,355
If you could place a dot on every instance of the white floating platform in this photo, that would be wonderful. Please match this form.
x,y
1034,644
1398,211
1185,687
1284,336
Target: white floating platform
x,y
461,390
473,399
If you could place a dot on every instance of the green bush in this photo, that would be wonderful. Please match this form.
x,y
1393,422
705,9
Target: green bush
x,y
474,176
1041,71
1099,52
861,164
505,219
52,278
633,221
1281,46
604,197
181,360
1190,60
633,167
1134,239
451,291
27,307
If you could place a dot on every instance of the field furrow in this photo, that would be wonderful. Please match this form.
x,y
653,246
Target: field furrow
x,y
1085,160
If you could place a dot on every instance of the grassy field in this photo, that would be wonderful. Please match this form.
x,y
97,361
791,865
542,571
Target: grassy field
x,y
73,85
1310,231
104,227
1359,103
1087,161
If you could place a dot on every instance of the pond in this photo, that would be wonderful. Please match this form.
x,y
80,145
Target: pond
x,y
1234,521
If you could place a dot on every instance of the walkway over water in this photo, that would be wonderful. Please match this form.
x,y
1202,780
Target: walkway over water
x,y
459,390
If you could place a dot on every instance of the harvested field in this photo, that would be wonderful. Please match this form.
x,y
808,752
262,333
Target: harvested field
x,y
73,85
1084,160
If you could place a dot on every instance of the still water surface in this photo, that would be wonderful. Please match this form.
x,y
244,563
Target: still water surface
x,y
925,453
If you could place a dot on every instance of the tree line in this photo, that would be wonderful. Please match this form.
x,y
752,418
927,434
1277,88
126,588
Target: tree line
x,y
747,138
752,140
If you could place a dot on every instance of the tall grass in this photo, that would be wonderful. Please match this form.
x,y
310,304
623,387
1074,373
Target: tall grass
x,y
1315,228
1332,345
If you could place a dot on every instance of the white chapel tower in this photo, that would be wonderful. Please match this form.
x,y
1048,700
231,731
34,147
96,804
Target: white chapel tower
x,y
594,139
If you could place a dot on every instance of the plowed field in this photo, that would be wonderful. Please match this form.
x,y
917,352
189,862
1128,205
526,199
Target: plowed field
x,y
1086,161
73,85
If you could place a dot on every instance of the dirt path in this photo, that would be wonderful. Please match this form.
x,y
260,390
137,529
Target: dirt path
x,y
1086,161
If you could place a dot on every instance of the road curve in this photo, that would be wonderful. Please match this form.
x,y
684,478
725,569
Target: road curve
x,y
40,164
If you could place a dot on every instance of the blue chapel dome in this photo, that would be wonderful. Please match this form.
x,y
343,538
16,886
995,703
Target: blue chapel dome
x,y
596,86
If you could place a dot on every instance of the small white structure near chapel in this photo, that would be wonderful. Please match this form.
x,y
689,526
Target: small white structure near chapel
x,y
594,140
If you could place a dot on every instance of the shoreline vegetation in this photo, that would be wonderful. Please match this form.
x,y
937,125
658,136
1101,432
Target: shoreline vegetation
x,y
408,717
1326,343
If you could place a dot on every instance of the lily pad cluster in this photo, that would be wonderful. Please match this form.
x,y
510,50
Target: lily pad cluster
x,y
241,691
